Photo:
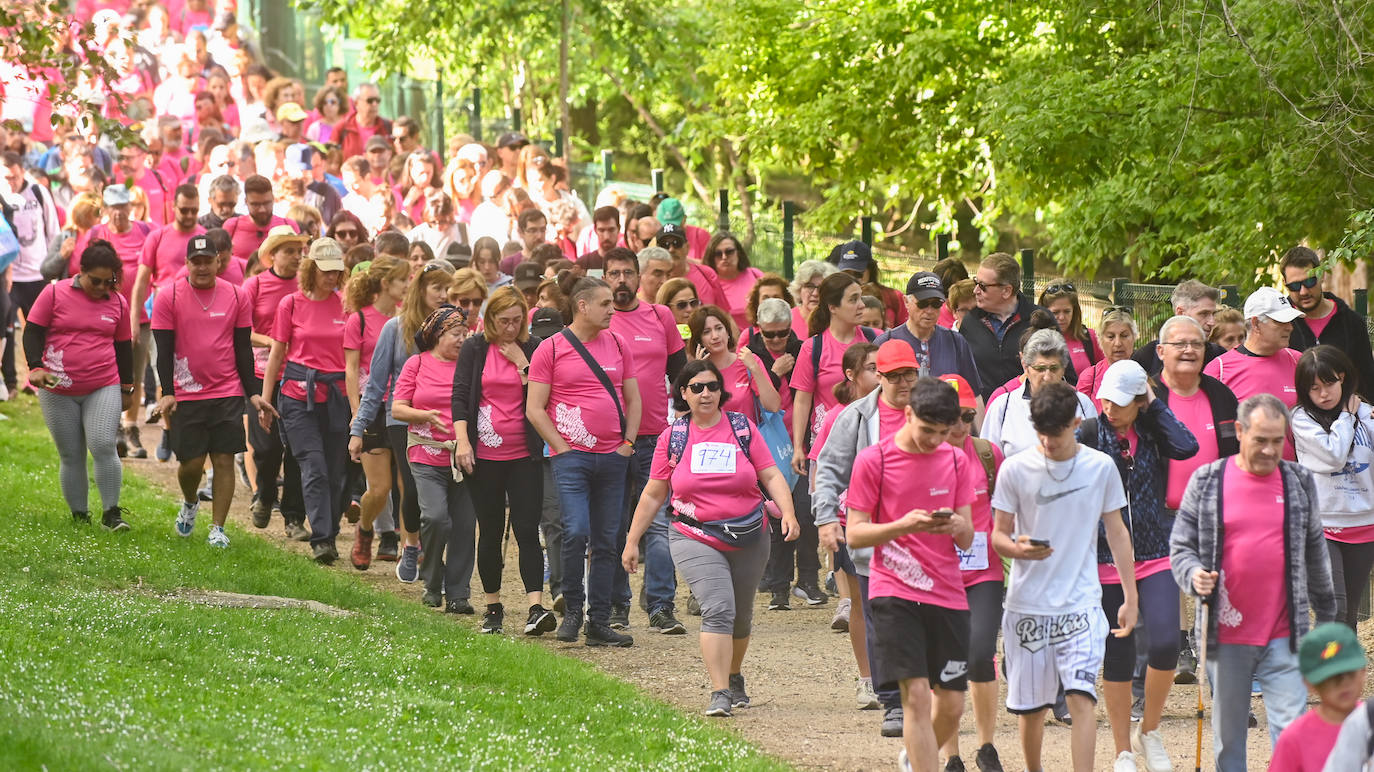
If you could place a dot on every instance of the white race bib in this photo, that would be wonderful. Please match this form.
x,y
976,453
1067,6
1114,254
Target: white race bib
x,y
976,558
713,458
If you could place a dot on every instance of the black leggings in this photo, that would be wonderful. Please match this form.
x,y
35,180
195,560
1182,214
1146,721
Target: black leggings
x,y
1350,566
985,619
491,482
410,503
1159,613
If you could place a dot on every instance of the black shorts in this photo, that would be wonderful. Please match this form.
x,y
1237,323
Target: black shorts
x,y
203,426
374,434
843,562
919,640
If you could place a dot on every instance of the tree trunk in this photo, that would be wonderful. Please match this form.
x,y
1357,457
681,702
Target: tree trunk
x,y
740,174
702,190
564,111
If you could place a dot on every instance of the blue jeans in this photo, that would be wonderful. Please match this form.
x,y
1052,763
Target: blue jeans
x,y
1230,669
660,578
591,493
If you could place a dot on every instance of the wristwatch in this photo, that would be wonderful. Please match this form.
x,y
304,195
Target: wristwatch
x,y
126,390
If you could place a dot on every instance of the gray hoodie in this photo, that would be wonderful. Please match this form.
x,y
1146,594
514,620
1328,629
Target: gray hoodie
x,y
855,429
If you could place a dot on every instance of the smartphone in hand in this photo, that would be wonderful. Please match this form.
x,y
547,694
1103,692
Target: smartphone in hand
x,y
1040,542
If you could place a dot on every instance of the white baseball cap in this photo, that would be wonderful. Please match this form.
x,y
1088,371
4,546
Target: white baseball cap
x,y
1269,302
1122,383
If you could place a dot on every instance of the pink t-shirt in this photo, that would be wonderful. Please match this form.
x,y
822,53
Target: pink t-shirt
x,y
204,322
1078,353
713,480
1317,326
1247,375
158,204
890,419
708,286
651,336
982,520
129,246
1090,380
580,407
1194,412
313,333
821,385
1306,743
799,323
824,433
887,482
1254,603
81,332
247,236
361,335
742,389
164,252
501,412
1009,387
946,319
737,294
427,383
265,291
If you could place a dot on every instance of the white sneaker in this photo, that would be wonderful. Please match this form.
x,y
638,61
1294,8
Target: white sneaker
x,y
218,538
866,697
903,763
840,621
1149,748
1125,762
186,518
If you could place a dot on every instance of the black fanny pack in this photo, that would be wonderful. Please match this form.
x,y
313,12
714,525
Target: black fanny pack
x,y
734,533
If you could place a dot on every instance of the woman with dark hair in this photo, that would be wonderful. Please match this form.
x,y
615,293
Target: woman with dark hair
x,y
331,105
79,342
951,271
419,180
486,260
1333,432
424,400
713,338
726,255
1061,299
347,229
680,296
718,539
502,453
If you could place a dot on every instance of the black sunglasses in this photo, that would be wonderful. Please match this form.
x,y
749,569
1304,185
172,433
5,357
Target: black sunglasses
x,y
1296,286
983,285
372,100
775,334
698,388
1059,289
929,303
683,305
97,282
967,416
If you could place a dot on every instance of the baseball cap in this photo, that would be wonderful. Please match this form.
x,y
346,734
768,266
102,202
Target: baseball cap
x,y
376,142
670,212
672,232
1329,650
967,399
199,246
290,111
545,323
299,157
1122,383
473,153
360,268
896,355
116,195
1269,302
924,285
512,139
854,256
528,275
327,254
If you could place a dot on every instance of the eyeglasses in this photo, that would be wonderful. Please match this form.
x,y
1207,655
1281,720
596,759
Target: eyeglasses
x,y
348,233
467,302
967,416
1296,286
775,334
816,287
1186,345
1127,310
683,305
1047,368
97,282
373,100
727,252
1059,289
621,274
711,386
1127,457
902,376
929,303
982,286
187,209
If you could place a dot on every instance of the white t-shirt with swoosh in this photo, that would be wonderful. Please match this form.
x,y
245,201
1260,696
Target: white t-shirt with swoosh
x,y
1062,502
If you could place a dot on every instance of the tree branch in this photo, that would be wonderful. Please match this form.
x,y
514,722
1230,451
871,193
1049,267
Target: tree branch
x,y
702,190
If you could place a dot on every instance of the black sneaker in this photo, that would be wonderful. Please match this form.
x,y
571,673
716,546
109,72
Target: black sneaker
x,y
664,622
81,518
779,601
620,617
830,585
262,513
811,594
459,606
987,760
388,546
540,621
599,634
719,706
570,628
892,722
113,519
297,532
955,764
324,553
432,599
738,697
1187,665
491,621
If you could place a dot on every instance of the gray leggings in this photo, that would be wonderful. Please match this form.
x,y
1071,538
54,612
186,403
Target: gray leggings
x,y
77,424
724,583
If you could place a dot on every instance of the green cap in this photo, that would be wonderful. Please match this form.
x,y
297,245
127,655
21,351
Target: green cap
x,y
670,212
1329,650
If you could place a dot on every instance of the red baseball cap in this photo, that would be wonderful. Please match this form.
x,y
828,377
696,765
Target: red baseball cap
x,y
896,355
966,396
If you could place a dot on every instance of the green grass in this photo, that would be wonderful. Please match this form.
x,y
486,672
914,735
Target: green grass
x,y
95,673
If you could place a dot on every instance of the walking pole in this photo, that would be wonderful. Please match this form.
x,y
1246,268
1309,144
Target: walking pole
x,y
1202,672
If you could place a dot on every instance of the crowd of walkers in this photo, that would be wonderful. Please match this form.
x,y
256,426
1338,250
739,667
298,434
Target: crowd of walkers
x,y
445,349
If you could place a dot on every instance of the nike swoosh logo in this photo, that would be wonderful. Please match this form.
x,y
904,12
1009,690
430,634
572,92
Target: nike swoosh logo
x,y
1042,500
952,671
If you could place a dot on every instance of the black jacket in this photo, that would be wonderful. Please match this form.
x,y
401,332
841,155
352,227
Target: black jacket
x,y
1224,405
467,388
998,361
757,345
1347,332
1148,356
